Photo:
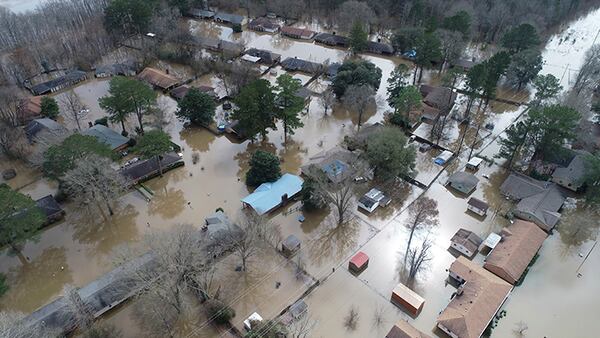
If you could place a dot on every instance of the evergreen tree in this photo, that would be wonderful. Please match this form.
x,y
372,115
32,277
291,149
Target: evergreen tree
x,y
264,168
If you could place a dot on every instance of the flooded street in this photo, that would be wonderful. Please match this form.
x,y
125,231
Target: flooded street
x,y
557,299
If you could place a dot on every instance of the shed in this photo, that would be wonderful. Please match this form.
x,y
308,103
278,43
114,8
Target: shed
x,y
491,241
474,163
408,299
373,199
253,318
463,182
359,262
111,138
443,158
269,196
380,48
43,125
477,206
290,245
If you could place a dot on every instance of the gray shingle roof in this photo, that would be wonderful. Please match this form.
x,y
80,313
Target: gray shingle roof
x,y
107,136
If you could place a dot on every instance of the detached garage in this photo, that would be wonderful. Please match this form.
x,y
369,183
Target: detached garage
x,y
406,298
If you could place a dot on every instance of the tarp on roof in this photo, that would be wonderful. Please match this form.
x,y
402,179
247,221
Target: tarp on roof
x,y
269,195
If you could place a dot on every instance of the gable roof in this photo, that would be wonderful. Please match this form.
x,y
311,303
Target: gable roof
x,y
263,23
379,48
574,173
158,78
465,179
477,203
44,124
107,136
49,205
470,311
403,329
544,206
265,56
269,195
300,32
518,186
332,39
520,242
441,98
335,163
227,17
467,238
70,77
295,64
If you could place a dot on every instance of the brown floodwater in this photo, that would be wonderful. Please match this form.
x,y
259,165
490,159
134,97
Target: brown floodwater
x,y
80,249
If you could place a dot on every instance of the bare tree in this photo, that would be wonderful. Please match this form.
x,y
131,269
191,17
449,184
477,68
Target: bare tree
x,y
352,12
521,328
94,179
76,312
302,327
9,105
589,73
12,325
351,319
422,214
13,141
235,75
255,229
418,259
359,99
327,100
74,109
378,316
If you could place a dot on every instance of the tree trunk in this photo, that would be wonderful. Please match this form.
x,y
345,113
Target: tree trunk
x,y
18,253
123,126
420,74
139,116
160,169
410,237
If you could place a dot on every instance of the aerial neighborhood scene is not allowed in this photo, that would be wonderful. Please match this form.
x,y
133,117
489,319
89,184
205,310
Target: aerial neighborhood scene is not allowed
x,y
229,168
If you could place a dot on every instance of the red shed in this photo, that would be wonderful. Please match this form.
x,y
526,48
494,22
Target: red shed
x,y
359,262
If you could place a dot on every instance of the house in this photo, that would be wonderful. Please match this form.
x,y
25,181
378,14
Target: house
x,y
476,301
111,138
228,18
158,78
465,242
297,33
373,199
205,42
538,201
269,196
231,48
403,329
332,39
263,24
519,244
359,262
407,299
71,78
50,208
123,69
336,163
380,48
463,182
474,163
266,57
198,13
44,127
441,98
462,64
299,65
290,245
144,170
181,91
29,109
477,206
572,177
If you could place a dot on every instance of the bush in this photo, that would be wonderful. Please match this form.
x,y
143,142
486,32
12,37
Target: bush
x,y
103,121
3,285
221,313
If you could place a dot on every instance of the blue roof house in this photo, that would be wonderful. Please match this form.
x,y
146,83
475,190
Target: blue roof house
x,y
269,196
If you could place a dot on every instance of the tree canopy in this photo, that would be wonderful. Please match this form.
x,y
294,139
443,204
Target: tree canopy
x,y
547,87
592,180
19,216
153,143
61,158
264,167
553,125
255,110
49,107
197,107
520,38
459,22
356,72
289,104
128,96
390,155
524,67
406,38
428,49
128,16
358,38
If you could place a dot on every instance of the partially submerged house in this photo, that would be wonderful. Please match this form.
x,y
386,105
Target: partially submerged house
x,y
297,33
29,109
466,242
227,18
269,196
116,69
44,127
477,206
198,13
298,65
332,39
519,244
263,24
158,78
115,141
266,57
462,64
372,200
478,298
290,245
232,49
181,91
463,182
50,208
403,329
69,79
440,98
538,201
573,175
146,169
336,164
380,48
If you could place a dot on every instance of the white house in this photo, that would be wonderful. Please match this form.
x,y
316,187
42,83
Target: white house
x,y
373,199
477,206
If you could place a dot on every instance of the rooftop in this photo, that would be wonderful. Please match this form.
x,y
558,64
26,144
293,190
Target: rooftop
x,y
269,195
467,238
295,64
158,78
477,203
107,136
403,329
